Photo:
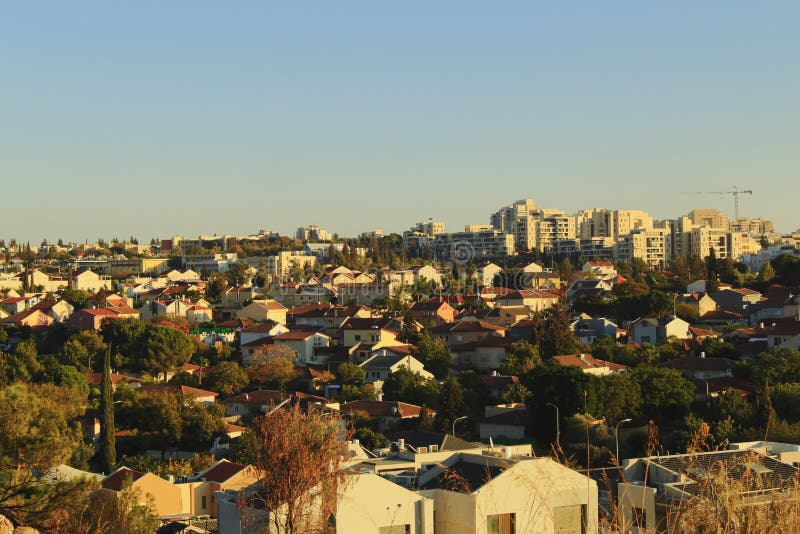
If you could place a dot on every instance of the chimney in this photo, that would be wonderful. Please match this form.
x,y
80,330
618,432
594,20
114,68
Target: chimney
x,y
703,354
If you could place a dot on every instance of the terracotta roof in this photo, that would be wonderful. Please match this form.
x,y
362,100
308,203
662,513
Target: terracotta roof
x,y
587,361
260,327
383,408
115,480
295,335
95,379
221,471
702,332
184,391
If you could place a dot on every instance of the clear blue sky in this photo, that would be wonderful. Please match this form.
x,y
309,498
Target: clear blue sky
x,y
160,118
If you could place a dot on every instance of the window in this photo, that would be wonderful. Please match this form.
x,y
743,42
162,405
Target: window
x,y
501,524
570,519
358,338
203,502
395,529
639,516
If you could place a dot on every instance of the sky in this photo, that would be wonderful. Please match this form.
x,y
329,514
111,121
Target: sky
x,y
159,118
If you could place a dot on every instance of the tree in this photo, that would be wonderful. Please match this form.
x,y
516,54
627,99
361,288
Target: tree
x,y
433,353
162,348
36,435
297,458
228,378
515,393
521,357
451,403
665,392
75,297
408,386
108,451
553,335
82,349
274,369
350,374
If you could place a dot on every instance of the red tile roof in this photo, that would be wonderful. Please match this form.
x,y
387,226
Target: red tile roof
x,y
221,471
382,408
115,480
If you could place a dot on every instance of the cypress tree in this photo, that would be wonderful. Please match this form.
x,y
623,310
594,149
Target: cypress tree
x,y
108,451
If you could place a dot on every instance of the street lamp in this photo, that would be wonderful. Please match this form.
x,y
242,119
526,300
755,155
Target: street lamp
x,y
706,381
616,434
558,426
456,420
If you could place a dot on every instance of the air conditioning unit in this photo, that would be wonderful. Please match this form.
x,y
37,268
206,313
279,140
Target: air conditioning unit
x,y
422,450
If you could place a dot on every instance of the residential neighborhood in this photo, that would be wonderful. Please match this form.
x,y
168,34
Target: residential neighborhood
x,y
466,386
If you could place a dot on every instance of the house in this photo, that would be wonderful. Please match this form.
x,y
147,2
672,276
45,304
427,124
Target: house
x,y
433,311
587,329
264,310
386,413
498,383
484,493
237,297
702,367
701,303
507,315
656,489
378,368
262,401
19,304
187,393
736,300
365,336
223,476
486,272
588,287
165,495
60,310
305,345
507,421
96,379
361,508
535,300
466,332
92,319
486,354
604,270
87,280
655,331
590,365
261,330
784,333
31,318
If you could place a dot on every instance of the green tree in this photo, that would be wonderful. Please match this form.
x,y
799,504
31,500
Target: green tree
x,y
408,386
350,374
665,392
553,335
108,451
75,297
228,378
521,357
433,353
451,403
162,348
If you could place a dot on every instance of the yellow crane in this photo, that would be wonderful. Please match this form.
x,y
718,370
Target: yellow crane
x,y
734,192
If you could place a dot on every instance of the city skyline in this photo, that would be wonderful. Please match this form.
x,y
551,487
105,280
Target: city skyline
x,y
193,118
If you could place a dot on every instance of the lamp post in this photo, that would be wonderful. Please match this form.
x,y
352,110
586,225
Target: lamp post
x,y
456,420
558,426
616,435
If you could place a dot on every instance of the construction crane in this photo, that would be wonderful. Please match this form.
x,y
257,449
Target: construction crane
x,y
734,192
